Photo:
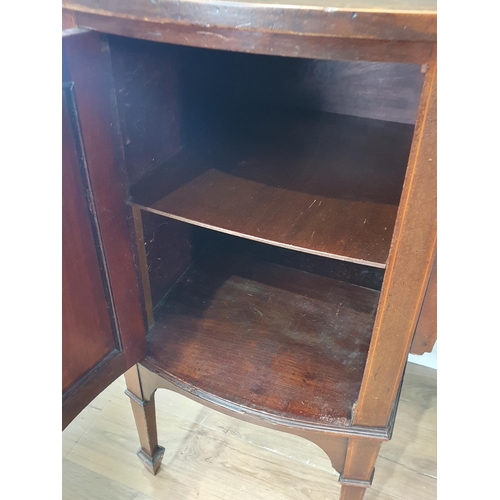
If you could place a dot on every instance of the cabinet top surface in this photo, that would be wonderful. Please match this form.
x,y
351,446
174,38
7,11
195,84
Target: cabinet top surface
x,y
402,6
405,20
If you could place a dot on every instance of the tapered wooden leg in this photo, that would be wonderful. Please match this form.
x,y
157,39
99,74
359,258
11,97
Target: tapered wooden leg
x,y
143,407
352,492
359,468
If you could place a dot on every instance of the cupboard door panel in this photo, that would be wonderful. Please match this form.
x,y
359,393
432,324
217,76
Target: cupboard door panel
x,y
88,326
103,321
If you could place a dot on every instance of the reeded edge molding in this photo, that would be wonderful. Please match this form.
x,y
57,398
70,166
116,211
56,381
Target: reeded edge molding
x,y
203,397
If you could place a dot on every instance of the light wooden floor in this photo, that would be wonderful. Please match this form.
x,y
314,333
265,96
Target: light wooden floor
x,y
210,456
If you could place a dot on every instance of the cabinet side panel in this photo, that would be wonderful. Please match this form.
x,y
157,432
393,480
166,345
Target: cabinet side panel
x,y
167,95
147,95
408,269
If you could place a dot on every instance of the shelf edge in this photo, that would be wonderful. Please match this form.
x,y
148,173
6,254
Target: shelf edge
x,y
258,417
343,258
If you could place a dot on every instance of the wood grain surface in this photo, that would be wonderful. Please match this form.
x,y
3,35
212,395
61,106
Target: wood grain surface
x,y
263,336
409,267
258,42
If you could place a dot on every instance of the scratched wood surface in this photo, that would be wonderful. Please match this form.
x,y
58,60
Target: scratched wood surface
x,y
210,456
372,19
277,340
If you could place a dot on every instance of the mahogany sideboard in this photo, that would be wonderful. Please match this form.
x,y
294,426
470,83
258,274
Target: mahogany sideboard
x,y
249,212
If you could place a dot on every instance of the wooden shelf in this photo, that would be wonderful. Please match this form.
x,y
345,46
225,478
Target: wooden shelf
x,y
310,181
265,338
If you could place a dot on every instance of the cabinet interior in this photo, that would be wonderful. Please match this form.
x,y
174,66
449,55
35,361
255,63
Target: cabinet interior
x,y
267,190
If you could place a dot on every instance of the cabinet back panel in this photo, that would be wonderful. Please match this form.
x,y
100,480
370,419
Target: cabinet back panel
x,y
348,272
172,247
382,91
168,95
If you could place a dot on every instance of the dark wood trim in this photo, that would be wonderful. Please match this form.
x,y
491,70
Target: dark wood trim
x,y
300,19
154,379
280,44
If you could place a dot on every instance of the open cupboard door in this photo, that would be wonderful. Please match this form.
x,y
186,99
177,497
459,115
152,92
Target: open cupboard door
x,y
103,322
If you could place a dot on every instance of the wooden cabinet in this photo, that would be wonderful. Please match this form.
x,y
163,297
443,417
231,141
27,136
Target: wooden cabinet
x,y
253,189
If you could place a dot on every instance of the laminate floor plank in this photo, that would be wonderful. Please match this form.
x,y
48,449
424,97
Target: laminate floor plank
x,y
79,483
79,426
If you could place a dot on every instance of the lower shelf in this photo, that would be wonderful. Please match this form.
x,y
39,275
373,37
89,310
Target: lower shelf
x,y
266,337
